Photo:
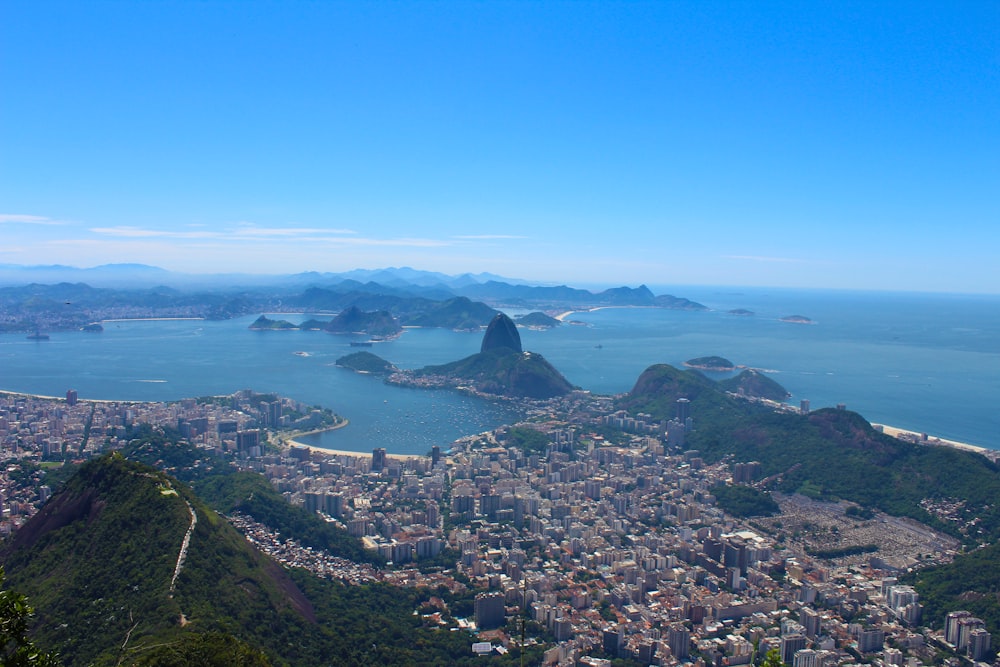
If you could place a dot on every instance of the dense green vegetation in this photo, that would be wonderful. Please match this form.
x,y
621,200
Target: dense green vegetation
x,y
505,373
970,582
860,512
227,490
457,313
829,454
251,494
99,558
350,320
745,501
527,440
538,319
100,554
840,552
712,363
207,649
16,648
366,362
355,320
756,384
264,323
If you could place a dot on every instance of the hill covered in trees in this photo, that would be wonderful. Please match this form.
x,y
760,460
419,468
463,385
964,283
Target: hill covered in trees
x,y
501,372
128,566
830,454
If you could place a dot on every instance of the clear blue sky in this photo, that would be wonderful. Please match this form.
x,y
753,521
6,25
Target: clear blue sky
x,y
815,144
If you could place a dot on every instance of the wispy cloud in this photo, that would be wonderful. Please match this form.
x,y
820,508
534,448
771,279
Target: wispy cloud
x,y
488,237
399,242
140,233
14,218
243,231
283,235
758,258
253,230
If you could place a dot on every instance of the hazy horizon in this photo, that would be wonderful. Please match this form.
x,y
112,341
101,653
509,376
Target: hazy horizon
x,y
161,276
850,146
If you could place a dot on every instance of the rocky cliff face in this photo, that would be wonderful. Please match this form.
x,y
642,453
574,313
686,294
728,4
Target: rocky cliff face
x,y
501,333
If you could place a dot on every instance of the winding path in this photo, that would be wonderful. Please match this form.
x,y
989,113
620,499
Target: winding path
x,y
184,547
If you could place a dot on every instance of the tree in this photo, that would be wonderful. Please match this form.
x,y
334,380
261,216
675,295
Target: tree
x,y
773,659
16,650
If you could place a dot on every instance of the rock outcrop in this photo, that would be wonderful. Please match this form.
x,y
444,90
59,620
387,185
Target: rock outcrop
x,y
501,333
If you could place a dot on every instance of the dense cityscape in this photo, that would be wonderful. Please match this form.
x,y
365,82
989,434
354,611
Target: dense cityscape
x,y
600,532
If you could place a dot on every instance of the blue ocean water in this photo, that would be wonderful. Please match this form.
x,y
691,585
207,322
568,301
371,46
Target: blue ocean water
x,y
928,363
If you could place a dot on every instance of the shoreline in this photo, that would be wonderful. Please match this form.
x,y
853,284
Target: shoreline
x,y
892,431
43,397
155,319
562,316
925,438
291,441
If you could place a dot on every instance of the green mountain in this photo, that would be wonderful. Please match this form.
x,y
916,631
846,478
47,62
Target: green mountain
x,y
100,564
265,323
970,582
227,490
539,320
366,362
457,313
503,372
830,454
756,384
355,320
711,363
126,556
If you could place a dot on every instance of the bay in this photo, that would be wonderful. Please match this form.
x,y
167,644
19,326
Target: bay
x,y
925,362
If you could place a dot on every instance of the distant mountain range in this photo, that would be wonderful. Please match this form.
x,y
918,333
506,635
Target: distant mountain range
x,y
144,275
58,298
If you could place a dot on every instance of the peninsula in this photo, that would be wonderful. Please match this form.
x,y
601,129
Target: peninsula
x,y
501,368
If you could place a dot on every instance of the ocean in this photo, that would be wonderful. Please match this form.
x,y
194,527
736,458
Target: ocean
x,y
924,362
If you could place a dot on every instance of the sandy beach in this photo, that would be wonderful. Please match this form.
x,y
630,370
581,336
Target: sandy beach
x,y
933,440
562,316
79,400
291,440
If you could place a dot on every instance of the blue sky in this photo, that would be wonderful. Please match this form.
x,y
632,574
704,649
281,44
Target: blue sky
x,y
818,144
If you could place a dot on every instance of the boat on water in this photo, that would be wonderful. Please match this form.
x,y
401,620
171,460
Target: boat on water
x,y
37,336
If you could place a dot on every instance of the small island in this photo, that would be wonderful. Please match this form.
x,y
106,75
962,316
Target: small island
x,y
265,323
353,320
366,362
538,320
375,323
742,312
711,364
796,319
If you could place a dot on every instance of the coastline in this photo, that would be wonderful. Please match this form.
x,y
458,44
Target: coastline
x,y
155,319
291,441
923,438
562,316
43,397
285,440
